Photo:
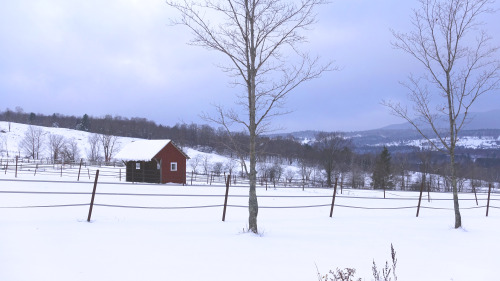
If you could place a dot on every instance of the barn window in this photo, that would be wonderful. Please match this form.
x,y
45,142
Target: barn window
x,y
158,166
173,166
137,166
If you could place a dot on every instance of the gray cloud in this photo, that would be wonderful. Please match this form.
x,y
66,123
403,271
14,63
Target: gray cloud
x,y
122,58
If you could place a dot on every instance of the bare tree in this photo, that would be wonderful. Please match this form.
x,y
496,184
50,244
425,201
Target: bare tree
x,y
256,37
71,151
289,175
109,148
217,168
331,146
195,162
56,146
230,165
33,141
205,163
94,152
459,66
3,144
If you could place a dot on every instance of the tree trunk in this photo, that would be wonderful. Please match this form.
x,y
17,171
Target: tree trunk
x,y
253,206
458,218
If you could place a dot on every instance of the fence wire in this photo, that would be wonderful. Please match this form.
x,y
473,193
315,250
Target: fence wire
x,y
221,205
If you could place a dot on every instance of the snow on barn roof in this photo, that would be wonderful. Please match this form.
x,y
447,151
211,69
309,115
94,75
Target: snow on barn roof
x,y
142,150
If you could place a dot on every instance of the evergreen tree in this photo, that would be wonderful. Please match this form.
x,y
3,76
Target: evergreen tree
x,y
382,178
84,124
31,118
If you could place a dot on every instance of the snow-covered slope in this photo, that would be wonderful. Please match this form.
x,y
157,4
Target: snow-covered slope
x,y
12,134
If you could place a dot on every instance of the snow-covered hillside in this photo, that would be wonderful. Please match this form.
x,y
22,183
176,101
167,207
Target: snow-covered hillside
x,y
464,142
12,134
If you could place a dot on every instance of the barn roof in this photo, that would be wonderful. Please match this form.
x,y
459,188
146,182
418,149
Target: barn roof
x,y
143,150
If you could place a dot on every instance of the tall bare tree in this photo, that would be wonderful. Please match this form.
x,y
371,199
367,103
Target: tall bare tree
x,y
459,66
258,38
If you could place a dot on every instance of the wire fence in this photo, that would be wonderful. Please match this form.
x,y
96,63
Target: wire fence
x,y
326,200
116,172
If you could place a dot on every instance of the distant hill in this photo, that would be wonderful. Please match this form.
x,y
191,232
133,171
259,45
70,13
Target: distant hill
x,y
481,132
477,121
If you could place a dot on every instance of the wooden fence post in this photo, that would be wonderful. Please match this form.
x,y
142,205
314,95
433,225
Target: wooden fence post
x,y
16,165
488,204
36,167
79,169
333,199
225,198
7,166
475,194
420,197
429,190
341,183
93,196
62,167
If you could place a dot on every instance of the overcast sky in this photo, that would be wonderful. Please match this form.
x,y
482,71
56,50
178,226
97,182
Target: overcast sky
x,y
121,57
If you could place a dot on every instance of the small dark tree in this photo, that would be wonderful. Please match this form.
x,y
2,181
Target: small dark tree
x,y
31,118
84,124
382,178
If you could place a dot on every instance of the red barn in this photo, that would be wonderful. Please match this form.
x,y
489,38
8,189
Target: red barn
x,y
154,161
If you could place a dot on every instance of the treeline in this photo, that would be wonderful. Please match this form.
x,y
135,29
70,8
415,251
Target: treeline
x,y
331,155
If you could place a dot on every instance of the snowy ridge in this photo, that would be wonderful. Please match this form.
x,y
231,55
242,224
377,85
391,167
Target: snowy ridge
x,y
486,142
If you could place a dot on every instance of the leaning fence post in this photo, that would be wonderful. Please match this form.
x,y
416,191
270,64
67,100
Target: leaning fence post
x,y
93,196
79,169
225,198
333,199
420,197
475,194
488,204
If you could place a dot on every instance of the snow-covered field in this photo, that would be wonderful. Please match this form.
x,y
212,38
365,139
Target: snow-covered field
x,y
194,244
169,243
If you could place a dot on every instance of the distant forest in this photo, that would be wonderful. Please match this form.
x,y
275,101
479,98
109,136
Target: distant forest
x,y
332,153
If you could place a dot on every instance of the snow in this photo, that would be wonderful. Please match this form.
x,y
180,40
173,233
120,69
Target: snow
x,y
58,244
180,244
141,150
10,140
464,142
